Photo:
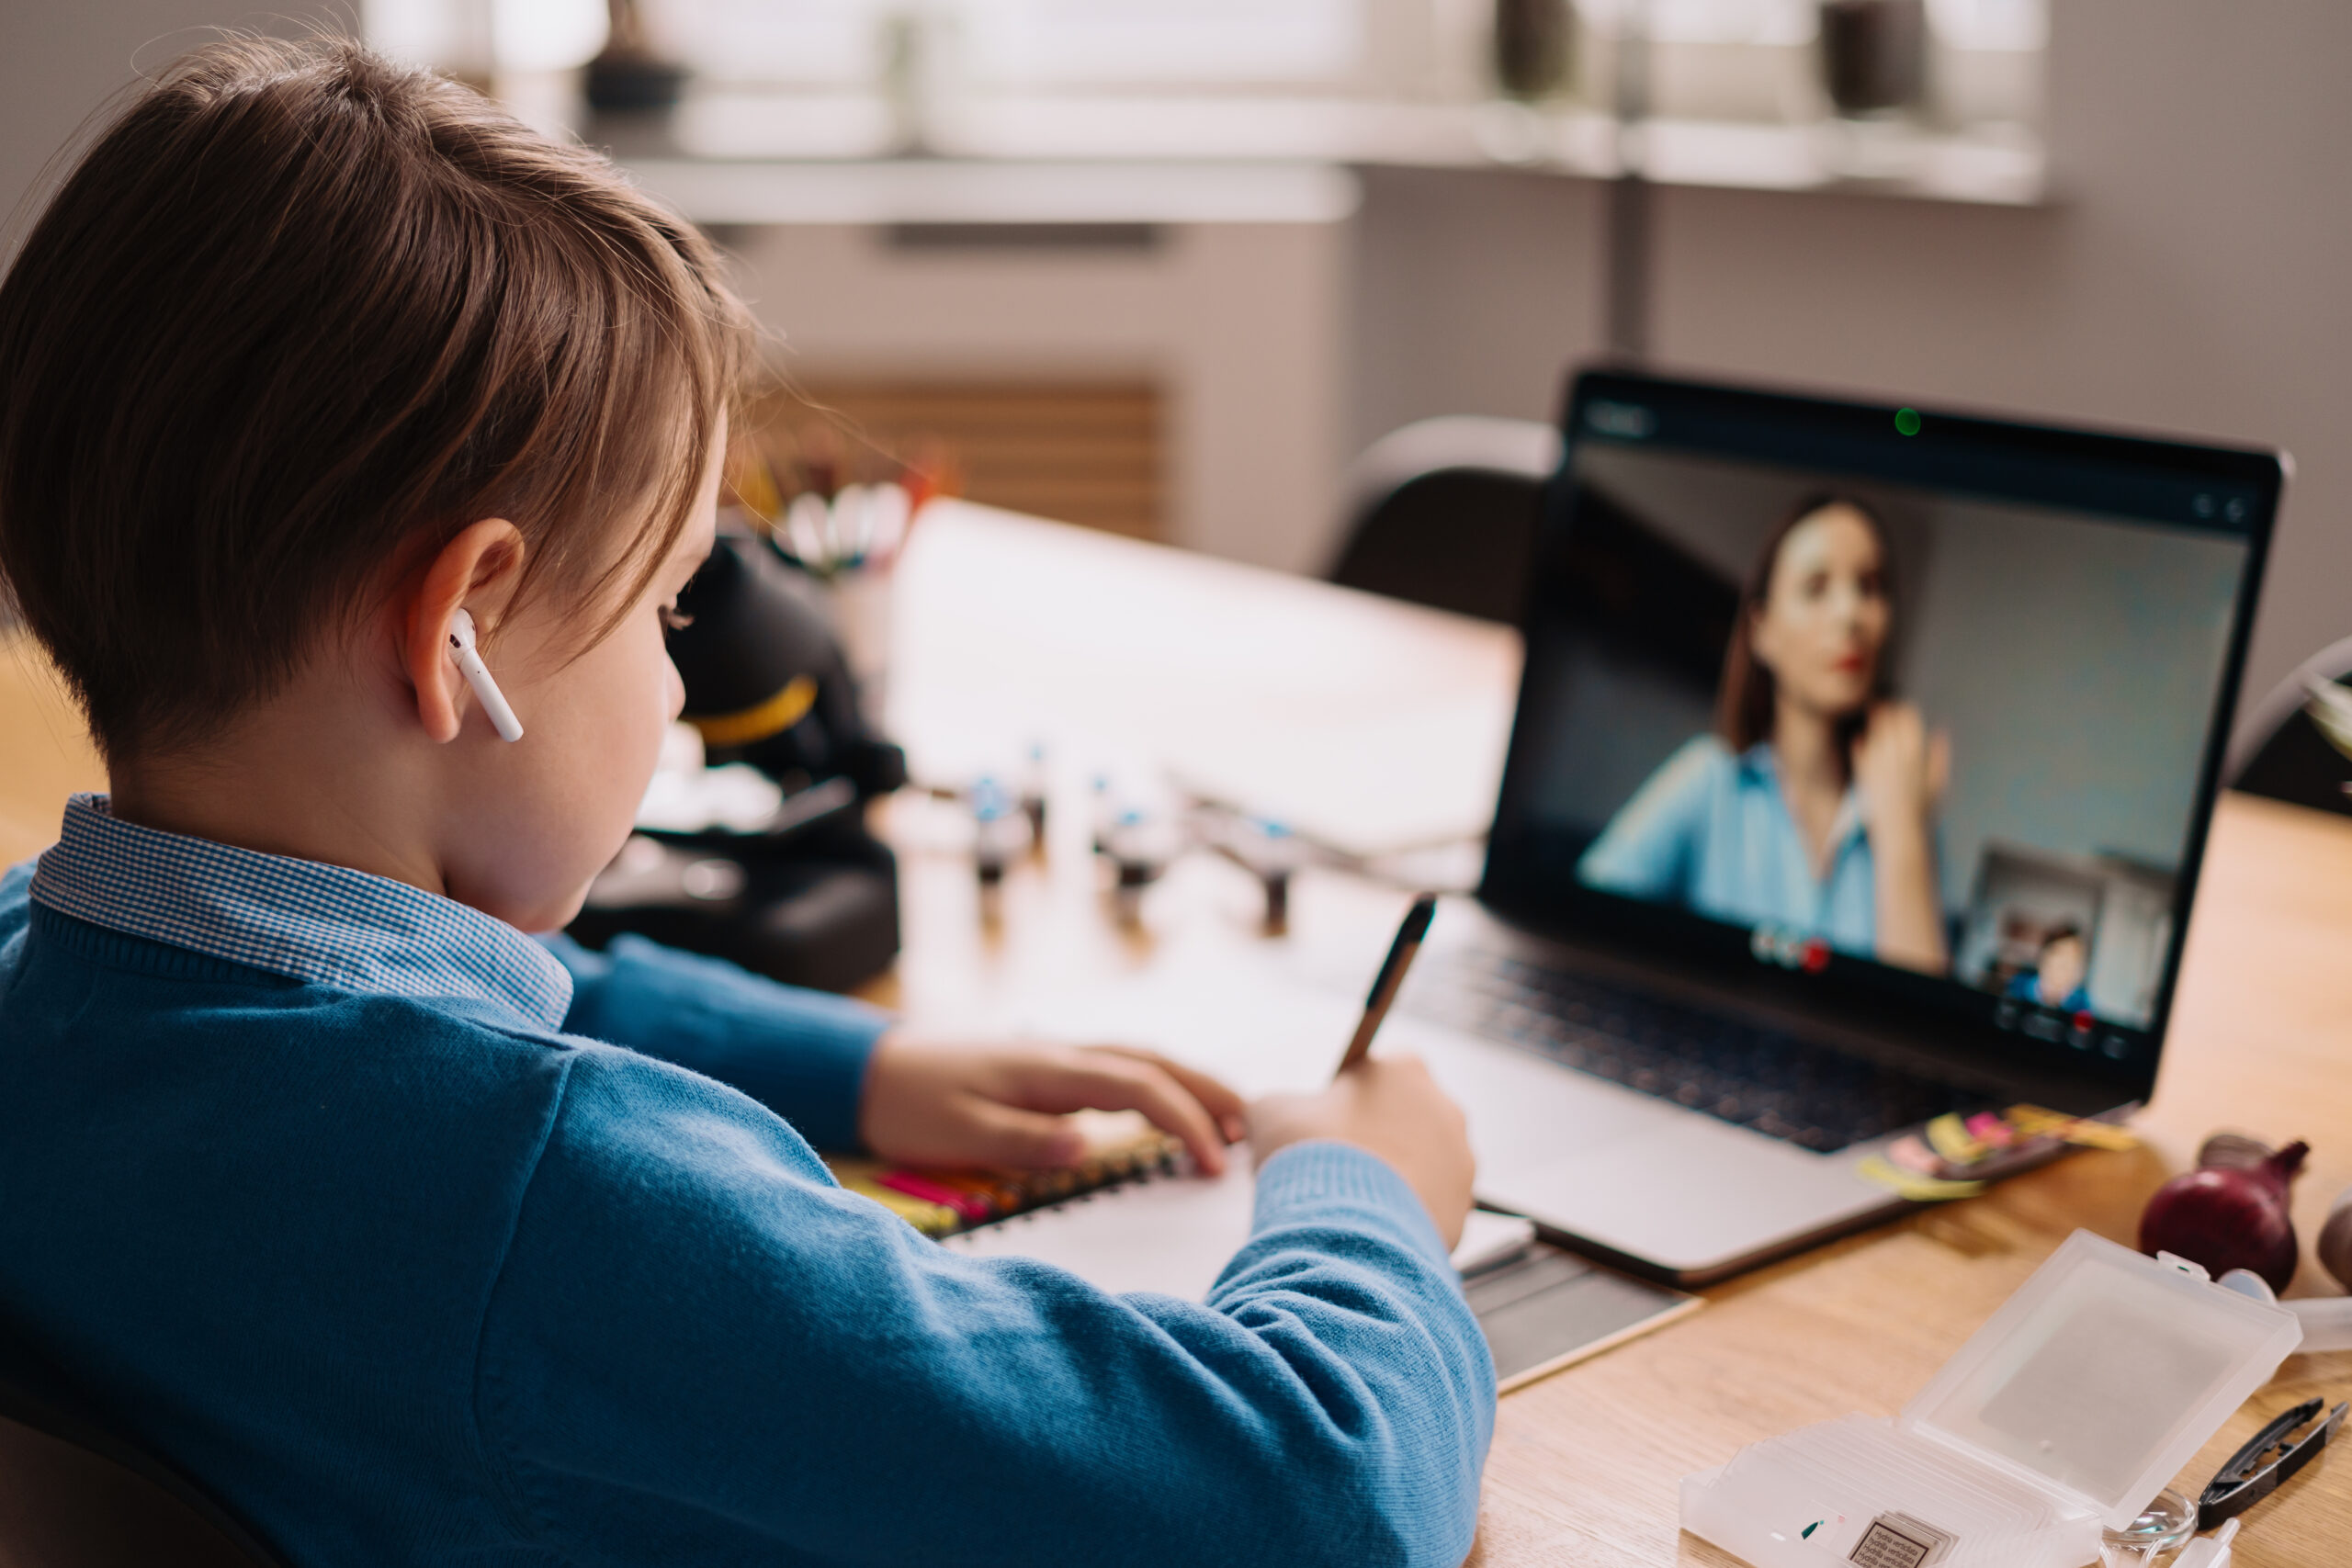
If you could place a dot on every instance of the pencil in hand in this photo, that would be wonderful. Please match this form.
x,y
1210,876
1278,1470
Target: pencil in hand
x,y
1386,985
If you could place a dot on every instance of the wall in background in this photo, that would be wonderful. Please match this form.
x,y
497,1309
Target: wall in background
x,y
2193,274
61,61
1473,291
1238,325
2073,663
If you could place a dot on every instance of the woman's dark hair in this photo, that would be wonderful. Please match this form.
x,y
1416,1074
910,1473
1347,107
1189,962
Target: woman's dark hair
x,y
1743,698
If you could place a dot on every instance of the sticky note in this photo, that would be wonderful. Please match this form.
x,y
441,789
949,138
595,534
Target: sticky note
x,y
1950,1138
1910,1184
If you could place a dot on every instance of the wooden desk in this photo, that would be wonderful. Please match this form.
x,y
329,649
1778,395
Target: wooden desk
x,y
1010,631
45,754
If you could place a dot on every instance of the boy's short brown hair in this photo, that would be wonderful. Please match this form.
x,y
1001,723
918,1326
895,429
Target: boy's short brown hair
x,y
300,315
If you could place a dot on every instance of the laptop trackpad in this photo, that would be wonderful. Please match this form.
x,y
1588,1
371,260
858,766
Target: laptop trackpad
x,y
1691,1196
1524,1110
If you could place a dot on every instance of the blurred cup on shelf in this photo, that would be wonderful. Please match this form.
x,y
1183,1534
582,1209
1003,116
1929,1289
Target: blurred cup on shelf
x,y
1534,47
1874,54
860,602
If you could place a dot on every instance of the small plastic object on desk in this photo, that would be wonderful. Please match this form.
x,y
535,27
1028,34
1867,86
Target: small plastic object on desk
x,y
1998,1453
1269,851
1140,849
2161,1527
1106,813
1277,859
2326,1320
1036,781
2270,1458
1000,832
2214,1551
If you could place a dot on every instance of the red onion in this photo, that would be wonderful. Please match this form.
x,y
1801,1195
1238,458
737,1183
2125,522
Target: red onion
x,y
2335,1246
2234,1150
2229,1216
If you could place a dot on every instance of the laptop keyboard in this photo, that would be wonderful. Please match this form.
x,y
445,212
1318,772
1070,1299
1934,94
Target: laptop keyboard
x,y
1737,1072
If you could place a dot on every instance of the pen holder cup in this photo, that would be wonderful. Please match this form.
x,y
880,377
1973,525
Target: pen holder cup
x,y
860,604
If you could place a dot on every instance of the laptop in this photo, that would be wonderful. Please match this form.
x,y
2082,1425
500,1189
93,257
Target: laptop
x,y
1861,773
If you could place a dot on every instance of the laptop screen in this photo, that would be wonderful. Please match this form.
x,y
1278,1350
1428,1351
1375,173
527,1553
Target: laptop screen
x,y
1888,703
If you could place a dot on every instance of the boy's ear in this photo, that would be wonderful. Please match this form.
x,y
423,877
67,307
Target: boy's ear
x,y
476,572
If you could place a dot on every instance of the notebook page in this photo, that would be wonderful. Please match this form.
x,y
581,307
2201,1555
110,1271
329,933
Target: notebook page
x,y
1174,1234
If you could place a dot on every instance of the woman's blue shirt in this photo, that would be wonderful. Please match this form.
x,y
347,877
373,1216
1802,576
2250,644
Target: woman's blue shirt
x,y
1711,831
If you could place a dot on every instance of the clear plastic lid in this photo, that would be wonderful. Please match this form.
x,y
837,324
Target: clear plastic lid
x,y
2103,1375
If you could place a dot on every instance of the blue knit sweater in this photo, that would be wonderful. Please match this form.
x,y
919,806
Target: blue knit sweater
x,y
411,1279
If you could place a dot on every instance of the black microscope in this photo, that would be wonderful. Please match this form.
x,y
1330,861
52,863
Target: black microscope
x,y
798,890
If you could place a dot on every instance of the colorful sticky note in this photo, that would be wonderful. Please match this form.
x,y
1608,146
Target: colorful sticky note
x,y
1950,1138
2089,1134
1912,1152
1991,1130
1909,1184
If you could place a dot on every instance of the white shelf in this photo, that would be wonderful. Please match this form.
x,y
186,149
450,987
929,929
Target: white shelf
x,y
782,158
939,190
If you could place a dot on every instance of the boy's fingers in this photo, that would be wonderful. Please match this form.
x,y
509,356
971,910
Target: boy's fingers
x,y
1006,1134
1228,1108
1105,1081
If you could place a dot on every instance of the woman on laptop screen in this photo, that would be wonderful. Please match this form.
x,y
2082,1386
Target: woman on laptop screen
x,y
1812,806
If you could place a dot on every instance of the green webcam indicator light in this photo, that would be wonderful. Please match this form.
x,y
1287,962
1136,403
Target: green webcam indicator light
x,y
1906,420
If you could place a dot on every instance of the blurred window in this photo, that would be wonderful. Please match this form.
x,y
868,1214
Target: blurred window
x,y
1710,21
481,36
1725,59
839,42
2020,25
1072,41
1027,42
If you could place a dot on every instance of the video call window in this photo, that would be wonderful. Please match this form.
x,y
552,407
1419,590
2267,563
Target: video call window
x,y
1961,736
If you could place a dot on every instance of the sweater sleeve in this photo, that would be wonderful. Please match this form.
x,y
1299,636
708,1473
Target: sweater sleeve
x,y
699,1347
16,898
801,1054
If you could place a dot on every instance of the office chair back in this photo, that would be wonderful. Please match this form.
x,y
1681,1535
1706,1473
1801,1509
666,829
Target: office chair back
x,y
1443,513
72,1494
2281,754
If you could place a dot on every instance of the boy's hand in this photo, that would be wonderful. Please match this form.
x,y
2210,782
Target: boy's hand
x,y
1391,1106
932,1102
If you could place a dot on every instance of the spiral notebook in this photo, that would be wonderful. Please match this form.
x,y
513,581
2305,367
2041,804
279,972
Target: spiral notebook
x,y
1137,1217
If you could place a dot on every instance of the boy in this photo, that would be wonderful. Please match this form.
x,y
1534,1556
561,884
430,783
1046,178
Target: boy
x,y
414,1239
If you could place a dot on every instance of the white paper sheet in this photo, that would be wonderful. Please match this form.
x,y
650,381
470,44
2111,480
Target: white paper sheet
x,y
1174,1234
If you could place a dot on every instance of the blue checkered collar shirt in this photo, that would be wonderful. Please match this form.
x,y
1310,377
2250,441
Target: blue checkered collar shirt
x,y
325,924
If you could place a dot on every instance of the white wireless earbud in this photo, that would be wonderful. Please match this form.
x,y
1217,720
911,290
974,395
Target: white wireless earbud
x,y
477,674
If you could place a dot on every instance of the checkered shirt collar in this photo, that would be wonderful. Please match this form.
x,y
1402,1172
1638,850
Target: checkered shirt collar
x,y
326,924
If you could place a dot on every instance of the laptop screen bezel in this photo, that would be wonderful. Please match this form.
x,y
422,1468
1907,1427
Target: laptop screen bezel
x,y
1519,884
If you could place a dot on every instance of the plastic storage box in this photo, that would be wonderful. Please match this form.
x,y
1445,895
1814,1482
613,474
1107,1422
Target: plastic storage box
x,y
2064,1415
